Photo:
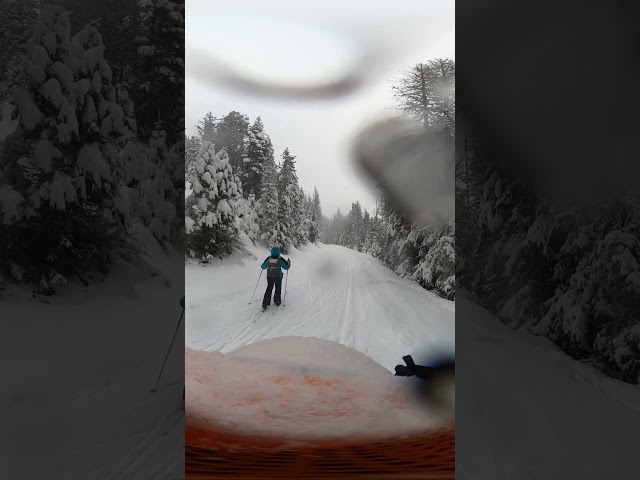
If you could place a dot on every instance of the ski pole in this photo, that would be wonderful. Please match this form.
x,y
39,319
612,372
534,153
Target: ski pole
x,y
286,281
169,351
254,290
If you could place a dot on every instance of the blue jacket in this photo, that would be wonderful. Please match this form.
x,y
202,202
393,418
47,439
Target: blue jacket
x,y
282,264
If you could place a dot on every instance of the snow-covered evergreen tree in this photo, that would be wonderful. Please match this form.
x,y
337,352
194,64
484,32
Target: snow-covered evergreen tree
x,y
571,275
160,102
248,220
207,127
259,152
316,216
212,208
15,29
160,188
268,206
231,133
436,252
62,170
289,201
192,147
427,92
302,220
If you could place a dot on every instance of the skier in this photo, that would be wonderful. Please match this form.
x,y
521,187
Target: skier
x,y
274,265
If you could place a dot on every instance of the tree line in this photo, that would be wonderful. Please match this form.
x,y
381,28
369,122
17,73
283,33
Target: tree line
x,y
238,190
570,274
93,96
425,254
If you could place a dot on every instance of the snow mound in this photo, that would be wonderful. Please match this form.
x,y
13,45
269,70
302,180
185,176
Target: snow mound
x,y
301,388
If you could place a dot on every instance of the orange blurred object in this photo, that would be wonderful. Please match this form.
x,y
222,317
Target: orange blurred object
x,y
212,453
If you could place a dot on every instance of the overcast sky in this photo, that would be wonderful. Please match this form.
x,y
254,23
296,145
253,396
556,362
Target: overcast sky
x,y
296,43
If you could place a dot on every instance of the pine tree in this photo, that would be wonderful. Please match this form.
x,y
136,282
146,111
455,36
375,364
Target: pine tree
x,y
18,17
248,221
316,217
427,92
338,228
302,222
365,234
289,200
120,24
207,127
268,205
160,100
192,147
162,188
212,208
259,151
231,133
62,167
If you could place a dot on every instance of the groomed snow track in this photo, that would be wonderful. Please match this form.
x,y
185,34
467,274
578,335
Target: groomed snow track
x,y
334,294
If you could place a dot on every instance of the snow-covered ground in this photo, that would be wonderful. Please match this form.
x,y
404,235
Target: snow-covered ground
x,y
77,376
333,293
525,410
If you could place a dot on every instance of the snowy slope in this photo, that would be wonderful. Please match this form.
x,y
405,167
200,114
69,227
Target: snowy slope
x,y
333,293
77,376
563,420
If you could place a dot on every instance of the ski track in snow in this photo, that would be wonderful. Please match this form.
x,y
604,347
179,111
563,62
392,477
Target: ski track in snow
x,y
333,293
548,415
79,388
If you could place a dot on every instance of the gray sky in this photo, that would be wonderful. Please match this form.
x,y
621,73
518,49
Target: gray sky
x,y
295,43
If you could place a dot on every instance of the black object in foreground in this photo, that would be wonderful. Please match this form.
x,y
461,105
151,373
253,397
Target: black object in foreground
x,y
437,385
155,387
411,369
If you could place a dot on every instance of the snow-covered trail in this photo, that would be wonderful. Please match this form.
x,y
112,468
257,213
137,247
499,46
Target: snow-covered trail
x,y
77,376
548,415
333,293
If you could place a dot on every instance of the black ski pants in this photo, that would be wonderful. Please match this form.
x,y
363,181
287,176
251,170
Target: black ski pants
x,y
266,301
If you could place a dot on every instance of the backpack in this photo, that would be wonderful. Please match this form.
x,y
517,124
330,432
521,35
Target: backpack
x,y
273,268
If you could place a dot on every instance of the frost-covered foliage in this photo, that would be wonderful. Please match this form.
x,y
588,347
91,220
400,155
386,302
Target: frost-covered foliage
x,y
427,92
436,251
571,275
15,29
231,132
271,207
268,205
259,152
212,209
284,221
314,215
162,188
78,176
425,255
288,205
192,147
160,55
248,221
62,171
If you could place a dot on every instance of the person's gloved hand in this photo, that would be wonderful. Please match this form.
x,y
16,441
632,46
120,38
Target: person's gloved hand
x,y
289,262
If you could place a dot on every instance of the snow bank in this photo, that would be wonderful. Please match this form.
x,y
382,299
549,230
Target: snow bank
x,y
301,388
